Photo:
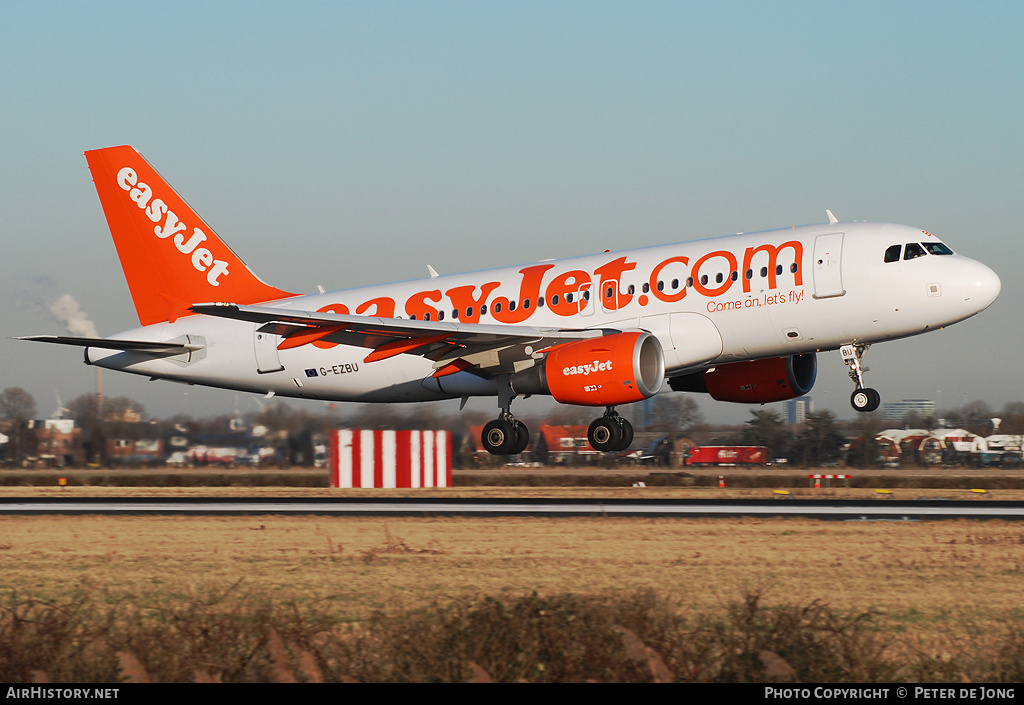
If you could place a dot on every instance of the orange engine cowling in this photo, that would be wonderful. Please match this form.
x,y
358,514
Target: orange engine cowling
x,y
614,369
754,382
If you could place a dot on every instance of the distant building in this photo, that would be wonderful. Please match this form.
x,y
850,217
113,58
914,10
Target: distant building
x,y
57,442
949,446
897,410
135,451
797,409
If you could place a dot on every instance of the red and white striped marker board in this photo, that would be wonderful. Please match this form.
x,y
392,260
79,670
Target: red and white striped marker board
x,y
391,459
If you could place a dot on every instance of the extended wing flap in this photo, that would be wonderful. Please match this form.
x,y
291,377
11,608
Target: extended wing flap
x,y
397,347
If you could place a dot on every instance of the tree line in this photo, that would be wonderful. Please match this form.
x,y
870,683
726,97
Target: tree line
x,y
820,440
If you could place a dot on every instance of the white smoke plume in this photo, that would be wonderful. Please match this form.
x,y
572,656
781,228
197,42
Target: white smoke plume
x,y
67,311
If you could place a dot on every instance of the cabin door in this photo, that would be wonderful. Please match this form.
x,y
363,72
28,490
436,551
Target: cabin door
x,y
828,273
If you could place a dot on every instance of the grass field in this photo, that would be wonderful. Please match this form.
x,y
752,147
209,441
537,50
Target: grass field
x,y
914,572
942,592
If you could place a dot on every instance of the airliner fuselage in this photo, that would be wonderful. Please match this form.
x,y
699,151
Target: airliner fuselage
x,y
739,317
708,302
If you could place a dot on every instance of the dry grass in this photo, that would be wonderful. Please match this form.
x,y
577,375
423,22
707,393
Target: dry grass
x,y
917,573
273,597
212,598
618,637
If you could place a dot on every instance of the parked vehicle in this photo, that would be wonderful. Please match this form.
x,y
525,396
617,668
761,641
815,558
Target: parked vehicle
x,y
728,455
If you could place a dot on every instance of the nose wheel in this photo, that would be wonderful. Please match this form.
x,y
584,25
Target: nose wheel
x,y
863,398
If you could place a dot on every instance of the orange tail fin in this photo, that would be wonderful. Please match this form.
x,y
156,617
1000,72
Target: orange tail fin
x,y
170,257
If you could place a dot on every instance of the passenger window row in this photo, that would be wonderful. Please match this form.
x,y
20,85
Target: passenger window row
x,y
609,293
720,277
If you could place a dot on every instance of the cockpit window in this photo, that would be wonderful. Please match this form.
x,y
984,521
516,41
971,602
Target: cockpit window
x,y
937,248
892,253
913,251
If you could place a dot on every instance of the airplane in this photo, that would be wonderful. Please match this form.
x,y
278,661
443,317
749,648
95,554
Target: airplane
x,y
740,317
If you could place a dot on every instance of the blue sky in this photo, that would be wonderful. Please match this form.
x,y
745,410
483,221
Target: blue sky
x,y
350,143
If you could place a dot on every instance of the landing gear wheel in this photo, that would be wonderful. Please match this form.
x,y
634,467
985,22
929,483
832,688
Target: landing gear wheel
x,y
522,438
500,437
605,434
627,434
865,400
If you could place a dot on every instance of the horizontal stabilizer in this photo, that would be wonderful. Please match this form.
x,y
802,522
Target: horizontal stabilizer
x,y
142,346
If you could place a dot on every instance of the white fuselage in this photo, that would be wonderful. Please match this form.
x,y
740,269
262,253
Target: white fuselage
x,y
709,302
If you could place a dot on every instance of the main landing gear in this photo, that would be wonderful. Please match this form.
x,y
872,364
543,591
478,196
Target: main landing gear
x,y
862,399
505,435
610,433
508,436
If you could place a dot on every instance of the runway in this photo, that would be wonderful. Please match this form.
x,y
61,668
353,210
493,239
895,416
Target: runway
x,y
851,510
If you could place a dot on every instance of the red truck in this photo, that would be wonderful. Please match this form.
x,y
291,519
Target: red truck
x,y
728,455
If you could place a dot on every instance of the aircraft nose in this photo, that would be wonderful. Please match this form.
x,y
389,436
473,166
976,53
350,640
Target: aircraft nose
x,y
981,286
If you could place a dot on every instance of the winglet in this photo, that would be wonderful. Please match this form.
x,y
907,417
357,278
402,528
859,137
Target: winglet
x,y
832,220
170,257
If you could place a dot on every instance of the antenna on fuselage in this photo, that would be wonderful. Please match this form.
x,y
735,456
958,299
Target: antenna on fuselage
x,y
832,220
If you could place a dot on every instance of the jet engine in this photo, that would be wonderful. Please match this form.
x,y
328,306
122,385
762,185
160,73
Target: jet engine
x,y
753,382
614,369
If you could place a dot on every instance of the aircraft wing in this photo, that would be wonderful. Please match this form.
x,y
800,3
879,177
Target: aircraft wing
x,y
483,349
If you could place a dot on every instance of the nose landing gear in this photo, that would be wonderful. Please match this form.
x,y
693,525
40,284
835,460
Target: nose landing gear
x,y
863,398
